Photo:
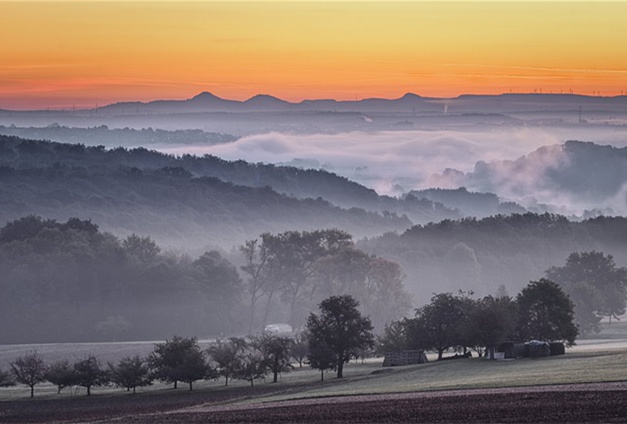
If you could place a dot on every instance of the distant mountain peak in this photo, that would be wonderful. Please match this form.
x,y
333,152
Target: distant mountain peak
x,y
259,98
484,104
205,96
409,96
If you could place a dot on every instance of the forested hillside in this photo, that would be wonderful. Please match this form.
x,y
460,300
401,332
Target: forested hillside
x,y
61,180
179,201
478,205
480,255
69,281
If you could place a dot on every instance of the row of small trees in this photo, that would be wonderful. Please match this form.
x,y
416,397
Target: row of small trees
x,y
30,369
331,339
177,360
541,311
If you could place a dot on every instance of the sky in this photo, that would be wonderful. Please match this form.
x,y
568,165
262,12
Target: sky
x,y
85,54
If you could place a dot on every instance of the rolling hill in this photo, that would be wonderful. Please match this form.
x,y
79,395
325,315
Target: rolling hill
x,y
184,202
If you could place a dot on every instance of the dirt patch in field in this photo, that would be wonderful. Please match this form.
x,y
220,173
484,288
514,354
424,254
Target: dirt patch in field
x,y
576,404
108,407
600,402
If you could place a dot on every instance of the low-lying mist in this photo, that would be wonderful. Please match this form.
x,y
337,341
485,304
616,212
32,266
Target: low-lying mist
x,y
391,161
395,162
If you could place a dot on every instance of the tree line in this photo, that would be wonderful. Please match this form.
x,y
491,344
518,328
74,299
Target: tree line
x,y
541,311
69,281
481,254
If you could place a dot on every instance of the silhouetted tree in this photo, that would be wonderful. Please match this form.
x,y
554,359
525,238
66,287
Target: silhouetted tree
x,y
464,339
595,285
385,298
394,337
341,327
588,306
6,379
253,366
227,356
377,283
293,256
276,351
89,374
343,272
545,313
256,267
321,356
195,367
221,283
29,369
492,321
178,359
300,348
436,325
61,374
130,373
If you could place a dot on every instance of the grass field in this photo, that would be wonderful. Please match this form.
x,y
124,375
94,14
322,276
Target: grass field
x,y
458,391
601,358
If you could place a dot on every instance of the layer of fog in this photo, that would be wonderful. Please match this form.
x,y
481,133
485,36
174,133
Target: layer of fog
x,y
389,162
394,162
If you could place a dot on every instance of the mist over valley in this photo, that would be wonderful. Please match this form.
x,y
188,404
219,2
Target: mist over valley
x,y
470,194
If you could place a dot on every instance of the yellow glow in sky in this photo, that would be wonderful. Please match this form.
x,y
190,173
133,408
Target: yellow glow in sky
x,y
59,54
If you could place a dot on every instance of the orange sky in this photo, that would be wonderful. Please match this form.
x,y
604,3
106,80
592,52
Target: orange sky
x,y
86,53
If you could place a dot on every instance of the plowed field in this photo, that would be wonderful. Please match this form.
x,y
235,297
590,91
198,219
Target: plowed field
x,y
602,402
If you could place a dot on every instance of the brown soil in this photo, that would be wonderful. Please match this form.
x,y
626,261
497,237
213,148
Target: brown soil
x,y
605,402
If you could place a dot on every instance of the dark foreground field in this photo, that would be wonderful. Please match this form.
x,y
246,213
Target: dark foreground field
x,y
601,402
